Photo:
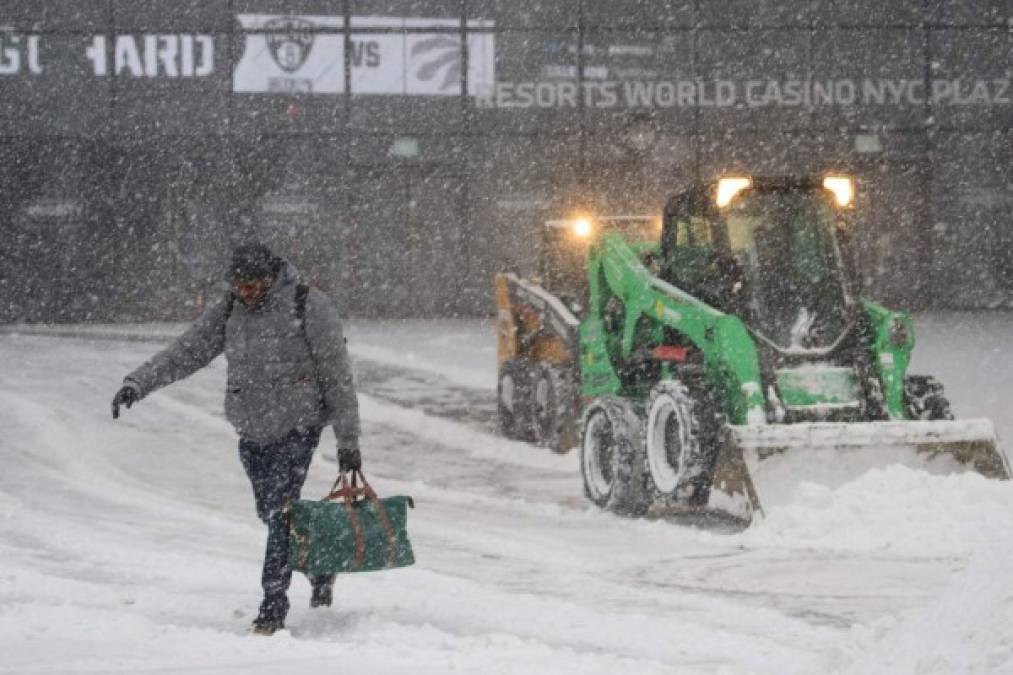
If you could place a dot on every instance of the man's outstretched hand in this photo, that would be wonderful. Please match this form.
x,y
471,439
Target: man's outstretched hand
x,y
125,396
349,459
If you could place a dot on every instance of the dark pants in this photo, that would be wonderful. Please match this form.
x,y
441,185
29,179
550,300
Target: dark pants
x,y
277,472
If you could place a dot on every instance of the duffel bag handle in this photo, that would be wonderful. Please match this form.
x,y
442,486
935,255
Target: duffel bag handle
x,y
349,491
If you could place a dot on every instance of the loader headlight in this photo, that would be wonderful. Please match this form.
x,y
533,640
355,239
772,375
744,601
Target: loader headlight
x,y
729,187
582,227
843,188
899,334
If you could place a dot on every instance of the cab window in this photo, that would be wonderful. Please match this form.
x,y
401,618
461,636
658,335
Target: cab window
x,y
692,232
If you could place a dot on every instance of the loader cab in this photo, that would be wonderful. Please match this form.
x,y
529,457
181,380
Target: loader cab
x,y
766,250
562,260
695,252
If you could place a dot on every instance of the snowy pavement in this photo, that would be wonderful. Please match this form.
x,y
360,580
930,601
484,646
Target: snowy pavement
x,y
132,546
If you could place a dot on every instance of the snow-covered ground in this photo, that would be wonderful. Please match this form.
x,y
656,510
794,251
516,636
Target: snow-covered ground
x,y
132,546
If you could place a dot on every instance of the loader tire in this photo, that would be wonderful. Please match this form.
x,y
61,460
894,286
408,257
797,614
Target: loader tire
x,y
681,442
513,397
924,398
612,460
553,408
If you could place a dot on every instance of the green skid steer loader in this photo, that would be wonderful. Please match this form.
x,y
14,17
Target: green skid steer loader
x,y
729,353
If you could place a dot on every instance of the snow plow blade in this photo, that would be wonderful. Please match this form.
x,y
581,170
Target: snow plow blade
x,y
774,457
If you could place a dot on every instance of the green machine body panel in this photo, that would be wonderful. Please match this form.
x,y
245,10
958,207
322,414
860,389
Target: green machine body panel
x,y
629,308
891,341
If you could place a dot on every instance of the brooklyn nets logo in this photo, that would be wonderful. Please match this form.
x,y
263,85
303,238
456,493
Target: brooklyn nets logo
x,y
290,41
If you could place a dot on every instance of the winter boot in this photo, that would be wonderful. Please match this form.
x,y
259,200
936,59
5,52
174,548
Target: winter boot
x,y
323,591
264,625
271,617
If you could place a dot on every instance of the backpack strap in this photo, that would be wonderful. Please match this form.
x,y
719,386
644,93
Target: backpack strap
x,y
230,300
302,291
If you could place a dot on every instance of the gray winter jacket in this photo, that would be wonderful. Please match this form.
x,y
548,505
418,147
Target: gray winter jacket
x,y
279,377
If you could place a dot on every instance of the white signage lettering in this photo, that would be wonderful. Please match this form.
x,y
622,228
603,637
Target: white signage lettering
x,y
296,54
151,55
17,52
54,207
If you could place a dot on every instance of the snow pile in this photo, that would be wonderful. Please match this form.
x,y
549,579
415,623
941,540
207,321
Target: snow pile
x,y
967,629
911,517
895,509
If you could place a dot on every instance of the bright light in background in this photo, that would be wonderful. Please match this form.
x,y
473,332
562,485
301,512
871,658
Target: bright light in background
x,y
843,188
729,187
582,227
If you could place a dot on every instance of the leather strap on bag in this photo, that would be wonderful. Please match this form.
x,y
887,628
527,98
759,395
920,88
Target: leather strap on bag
x,y
304,548
300,539
360,537
349,492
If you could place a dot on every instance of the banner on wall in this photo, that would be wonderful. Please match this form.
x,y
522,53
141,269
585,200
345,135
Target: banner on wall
x,y
290,54
306,54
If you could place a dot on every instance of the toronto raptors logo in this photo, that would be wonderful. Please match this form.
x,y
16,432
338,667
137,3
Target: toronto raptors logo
x,y
435,55
290,41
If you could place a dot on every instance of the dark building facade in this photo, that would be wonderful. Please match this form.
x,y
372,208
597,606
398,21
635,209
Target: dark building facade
x,y
403,151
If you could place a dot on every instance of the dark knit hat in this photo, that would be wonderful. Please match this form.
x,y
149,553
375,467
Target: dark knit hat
x,y
253,261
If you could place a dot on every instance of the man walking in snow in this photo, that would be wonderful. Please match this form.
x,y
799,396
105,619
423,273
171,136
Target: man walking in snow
x,y
288,376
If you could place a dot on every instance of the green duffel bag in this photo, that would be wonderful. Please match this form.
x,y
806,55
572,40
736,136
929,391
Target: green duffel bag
x,y
349,530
